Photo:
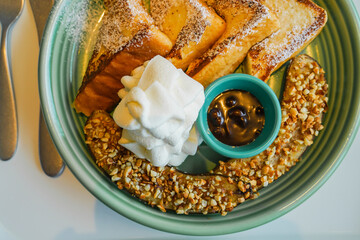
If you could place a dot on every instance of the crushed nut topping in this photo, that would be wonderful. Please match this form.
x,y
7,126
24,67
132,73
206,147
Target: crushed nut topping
x,y
163,187
303,105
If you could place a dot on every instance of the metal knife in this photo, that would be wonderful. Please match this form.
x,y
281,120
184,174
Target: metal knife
x,y
50,160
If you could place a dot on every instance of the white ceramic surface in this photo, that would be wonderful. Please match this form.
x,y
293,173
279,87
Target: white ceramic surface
x,y
34,206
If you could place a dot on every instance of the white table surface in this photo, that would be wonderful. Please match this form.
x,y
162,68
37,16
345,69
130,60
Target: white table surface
x,y
34,206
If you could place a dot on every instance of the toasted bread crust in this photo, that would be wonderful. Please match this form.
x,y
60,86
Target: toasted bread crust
x,y
102,79
267,56
122,21
191,25
248,22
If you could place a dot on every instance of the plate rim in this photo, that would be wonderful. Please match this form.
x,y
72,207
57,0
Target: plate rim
x,y
52,123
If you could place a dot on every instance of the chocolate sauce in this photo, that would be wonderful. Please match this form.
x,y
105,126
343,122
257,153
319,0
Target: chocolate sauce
x,y
236,117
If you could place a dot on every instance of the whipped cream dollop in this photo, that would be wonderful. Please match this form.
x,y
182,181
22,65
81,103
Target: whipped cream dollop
x,y
159,105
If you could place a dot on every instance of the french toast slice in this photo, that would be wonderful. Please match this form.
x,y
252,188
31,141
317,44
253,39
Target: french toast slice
x,y
127,38
301,21
247,23
191,25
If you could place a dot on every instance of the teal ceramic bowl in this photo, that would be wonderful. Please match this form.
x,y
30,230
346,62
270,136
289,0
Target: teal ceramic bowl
x,y
267,99
63,59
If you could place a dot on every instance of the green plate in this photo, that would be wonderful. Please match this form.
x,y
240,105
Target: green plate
x,y
63,60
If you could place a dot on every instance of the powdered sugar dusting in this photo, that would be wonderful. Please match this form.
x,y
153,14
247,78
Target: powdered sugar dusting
x,y
80,18
284,51
159,9
121,22
195,26
259,12
294,34
196,20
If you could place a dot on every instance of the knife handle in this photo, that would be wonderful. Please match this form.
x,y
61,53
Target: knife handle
x,y
51,162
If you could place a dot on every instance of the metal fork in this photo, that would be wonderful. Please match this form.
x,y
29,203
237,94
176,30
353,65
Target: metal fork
x,y
9,12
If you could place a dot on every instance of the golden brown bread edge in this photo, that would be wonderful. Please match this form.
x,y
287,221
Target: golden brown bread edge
x,y
191,25
102,79
247,23
232,182
301,22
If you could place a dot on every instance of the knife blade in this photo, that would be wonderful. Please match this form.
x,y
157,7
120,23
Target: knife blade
x,y
50,160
